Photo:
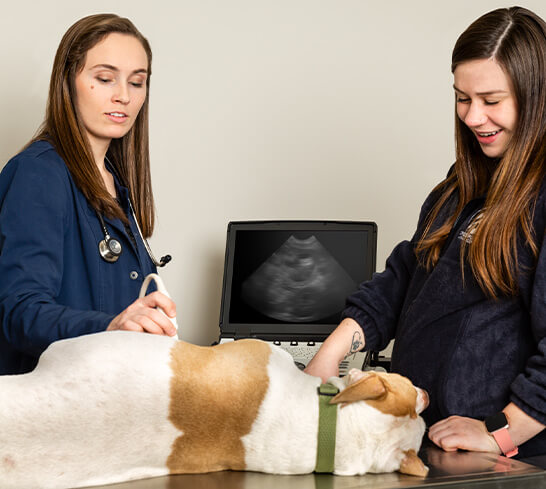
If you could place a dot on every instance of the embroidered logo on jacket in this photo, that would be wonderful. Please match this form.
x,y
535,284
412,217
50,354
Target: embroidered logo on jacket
x,y
468,234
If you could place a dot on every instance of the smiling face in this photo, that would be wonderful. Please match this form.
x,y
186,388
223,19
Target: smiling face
x,y
486,104
111,89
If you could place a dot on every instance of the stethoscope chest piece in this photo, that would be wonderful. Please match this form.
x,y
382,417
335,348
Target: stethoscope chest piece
x,y
110,249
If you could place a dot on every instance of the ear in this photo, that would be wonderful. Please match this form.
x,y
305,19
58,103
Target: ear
x,y
369,387
412,465
355,375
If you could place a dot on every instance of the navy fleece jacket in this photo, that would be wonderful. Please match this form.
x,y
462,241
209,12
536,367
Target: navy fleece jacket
x,y
471,353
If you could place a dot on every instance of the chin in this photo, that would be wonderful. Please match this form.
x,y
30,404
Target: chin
x,y
118,134
493,152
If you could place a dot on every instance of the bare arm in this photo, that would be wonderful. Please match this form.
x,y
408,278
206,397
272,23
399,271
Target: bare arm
x,y
346,339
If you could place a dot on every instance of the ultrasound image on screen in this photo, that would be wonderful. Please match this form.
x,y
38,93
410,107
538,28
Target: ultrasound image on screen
x,y
295,277
300,282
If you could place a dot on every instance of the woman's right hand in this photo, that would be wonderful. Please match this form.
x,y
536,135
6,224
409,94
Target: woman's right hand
x,y
143,316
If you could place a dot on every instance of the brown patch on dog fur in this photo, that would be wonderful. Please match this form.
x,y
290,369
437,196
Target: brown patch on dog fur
x,y
412,465
388,393
216,393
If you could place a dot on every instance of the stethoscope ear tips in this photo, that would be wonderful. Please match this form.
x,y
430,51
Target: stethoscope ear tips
x,y
164,260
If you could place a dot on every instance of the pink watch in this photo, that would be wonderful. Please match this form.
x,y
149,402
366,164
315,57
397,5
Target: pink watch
x,y
497,426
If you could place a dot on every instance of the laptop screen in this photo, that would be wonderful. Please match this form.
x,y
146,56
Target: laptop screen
x,y
288,280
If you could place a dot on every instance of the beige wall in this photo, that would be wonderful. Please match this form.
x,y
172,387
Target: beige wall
x,y
284,109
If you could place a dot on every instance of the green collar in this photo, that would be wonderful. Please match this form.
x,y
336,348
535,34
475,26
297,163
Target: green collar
x,y
326,447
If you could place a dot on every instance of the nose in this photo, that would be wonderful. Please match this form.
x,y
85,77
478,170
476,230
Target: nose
x,y
475,115
121,95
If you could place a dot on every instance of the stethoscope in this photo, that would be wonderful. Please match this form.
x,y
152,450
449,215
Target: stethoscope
x,y
110,249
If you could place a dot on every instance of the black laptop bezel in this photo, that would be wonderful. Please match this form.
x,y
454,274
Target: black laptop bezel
x,y
284,332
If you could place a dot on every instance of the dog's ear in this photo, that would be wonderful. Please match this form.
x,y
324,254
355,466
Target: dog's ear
x,y
412,465
370,386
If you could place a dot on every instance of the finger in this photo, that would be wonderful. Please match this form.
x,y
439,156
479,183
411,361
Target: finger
x,y
436,436
446,441
445,422
157,299
161,321
437,430
130,325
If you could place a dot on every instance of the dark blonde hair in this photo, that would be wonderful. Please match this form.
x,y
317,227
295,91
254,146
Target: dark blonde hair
x,y
64,129
516,39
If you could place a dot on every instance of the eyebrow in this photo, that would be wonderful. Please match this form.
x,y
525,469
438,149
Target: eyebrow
x,y
113,68
490,92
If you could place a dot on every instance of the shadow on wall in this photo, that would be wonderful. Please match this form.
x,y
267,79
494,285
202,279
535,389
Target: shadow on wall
x,y
19,123
203,301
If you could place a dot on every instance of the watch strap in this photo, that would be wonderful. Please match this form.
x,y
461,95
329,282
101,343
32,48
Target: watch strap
x,y
504,441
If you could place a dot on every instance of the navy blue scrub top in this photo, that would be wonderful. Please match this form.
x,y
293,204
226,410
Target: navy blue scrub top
x,y
53,282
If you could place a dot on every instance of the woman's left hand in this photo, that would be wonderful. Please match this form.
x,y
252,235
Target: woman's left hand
x,y
457,432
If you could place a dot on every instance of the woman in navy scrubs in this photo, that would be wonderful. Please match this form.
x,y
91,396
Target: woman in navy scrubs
x,y
84,177
465,298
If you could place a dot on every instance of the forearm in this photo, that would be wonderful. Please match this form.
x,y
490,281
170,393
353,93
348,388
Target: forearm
x,y
346,339
31,323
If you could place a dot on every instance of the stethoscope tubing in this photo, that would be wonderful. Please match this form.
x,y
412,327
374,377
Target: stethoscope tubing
x,y
110,249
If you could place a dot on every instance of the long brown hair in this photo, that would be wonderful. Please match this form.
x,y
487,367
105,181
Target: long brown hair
x,y
516,39
64,129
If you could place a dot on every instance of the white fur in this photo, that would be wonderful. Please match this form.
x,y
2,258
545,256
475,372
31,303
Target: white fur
x,y
368,440
283,439
93,412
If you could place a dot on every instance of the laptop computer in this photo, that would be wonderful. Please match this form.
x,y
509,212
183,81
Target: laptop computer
x,y
286,282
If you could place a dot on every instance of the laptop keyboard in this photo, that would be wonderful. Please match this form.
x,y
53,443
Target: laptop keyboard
x,y
302,353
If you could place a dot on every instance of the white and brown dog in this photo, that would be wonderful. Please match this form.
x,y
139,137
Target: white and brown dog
x,y
117,406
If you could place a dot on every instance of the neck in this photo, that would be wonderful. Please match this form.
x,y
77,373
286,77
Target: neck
x,y
99,148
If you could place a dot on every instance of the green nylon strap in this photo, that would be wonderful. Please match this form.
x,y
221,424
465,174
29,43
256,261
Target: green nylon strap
x,y
326,447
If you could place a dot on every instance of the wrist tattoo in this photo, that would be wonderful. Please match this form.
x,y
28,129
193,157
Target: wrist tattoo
x,y
356,344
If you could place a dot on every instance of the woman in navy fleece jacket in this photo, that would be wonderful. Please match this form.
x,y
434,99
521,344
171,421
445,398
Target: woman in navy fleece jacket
x,y
465,298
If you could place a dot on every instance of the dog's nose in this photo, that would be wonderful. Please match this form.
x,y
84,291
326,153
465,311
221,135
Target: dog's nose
x,y
422,400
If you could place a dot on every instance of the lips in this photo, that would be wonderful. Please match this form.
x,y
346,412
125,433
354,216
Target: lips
x,y
117,116
487,137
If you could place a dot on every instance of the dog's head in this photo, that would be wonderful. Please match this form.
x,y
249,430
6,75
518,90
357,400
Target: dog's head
x,y
389,393
394,415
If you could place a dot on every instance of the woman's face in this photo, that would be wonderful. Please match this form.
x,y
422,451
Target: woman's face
x,y
111,88
486,104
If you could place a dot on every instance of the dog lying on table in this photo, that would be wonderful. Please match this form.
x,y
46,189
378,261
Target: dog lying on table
x,y
116,406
